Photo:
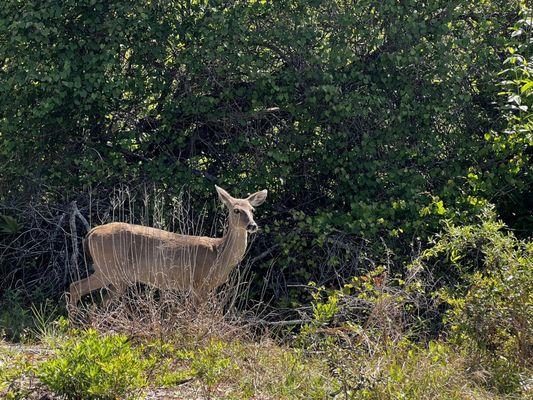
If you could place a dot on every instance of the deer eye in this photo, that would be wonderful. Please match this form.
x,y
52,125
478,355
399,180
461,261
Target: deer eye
x,y
236,211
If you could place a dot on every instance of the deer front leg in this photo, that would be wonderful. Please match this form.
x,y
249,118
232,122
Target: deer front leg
x,y
87,285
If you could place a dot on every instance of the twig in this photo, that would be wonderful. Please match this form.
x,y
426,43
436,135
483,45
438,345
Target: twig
x,y
283,323
264,254
74,237
81,217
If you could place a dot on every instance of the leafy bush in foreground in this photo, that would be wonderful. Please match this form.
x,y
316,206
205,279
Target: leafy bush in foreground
x,y
91,366
488,295
492,313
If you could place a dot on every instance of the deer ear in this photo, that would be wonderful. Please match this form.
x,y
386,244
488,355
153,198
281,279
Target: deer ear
x,y
224,196
257,198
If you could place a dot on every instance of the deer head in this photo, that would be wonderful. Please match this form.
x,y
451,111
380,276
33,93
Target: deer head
x,y
241,210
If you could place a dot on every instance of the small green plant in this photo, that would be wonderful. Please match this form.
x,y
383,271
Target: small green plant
x,y
298,377
169,376
47,326
325,305
15,319
211,364
169,363
14,366
91,366
9,225
416,372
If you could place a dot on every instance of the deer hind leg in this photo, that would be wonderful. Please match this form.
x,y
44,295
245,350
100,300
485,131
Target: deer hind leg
x,y
84,286
199,297
117,291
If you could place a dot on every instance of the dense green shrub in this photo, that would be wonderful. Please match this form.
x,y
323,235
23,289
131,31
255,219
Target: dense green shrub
x,y
363,119
491,312
369,122
488,295
90,366
512,169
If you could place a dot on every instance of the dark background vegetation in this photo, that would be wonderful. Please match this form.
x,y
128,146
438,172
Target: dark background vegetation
x,y
369,122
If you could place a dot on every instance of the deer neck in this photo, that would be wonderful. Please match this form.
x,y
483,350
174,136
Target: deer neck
x,y
232,249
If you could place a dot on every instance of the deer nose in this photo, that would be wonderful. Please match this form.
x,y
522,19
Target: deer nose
x,y
251,227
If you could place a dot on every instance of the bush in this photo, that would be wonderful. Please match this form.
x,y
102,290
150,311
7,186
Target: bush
x,y
91,366
512,145
491,308
355,115
385,306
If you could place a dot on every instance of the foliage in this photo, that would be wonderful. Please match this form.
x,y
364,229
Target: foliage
x,y
355,115
47,326
401,370
14,367
511,170
302,378
15,319
91,366
489,296
211,365
374,125
20,322
409,371
9,225
376,303
240,369
491,312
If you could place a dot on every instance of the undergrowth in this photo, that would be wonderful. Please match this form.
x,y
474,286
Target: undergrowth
x,y
371,339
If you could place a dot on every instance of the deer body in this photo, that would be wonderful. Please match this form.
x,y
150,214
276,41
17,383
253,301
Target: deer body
x,y
124,254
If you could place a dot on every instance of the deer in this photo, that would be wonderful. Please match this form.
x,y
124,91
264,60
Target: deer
x,y
124,254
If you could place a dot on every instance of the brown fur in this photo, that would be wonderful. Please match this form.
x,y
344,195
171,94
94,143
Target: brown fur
x,y
124,254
